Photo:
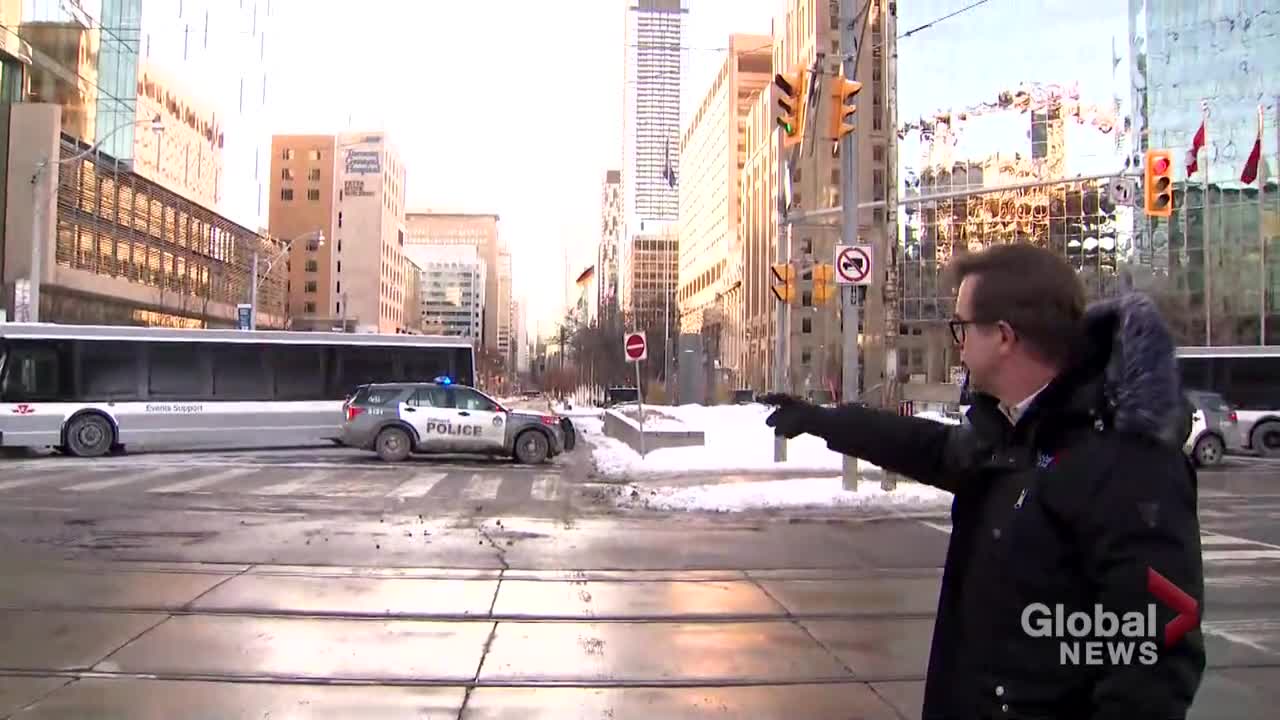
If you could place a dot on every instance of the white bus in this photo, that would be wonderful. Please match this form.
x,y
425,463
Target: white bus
x,y
1248,378
90,390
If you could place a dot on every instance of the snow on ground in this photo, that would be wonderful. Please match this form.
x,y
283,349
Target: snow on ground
x,y
796,493
736,441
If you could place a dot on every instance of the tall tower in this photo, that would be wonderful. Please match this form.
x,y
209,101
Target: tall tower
x,y
653,71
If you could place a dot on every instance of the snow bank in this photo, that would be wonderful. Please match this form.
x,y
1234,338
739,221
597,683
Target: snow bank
x,y
736,440
797,493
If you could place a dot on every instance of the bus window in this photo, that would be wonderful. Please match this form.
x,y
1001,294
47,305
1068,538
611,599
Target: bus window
x,y
423,364
178,370
460,369
34,372
241,372
108,370
300,372
362,366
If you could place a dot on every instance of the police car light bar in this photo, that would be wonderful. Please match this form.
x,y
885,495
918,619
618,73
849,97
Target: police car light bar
x,y
444,380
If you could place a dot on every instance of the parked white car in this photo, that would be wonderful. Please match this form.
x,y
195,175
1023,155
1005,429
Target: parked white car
x,y
1215,429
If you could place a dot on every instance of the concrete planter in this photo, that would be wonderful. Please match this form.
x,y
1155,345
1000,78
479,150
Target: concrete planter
x,y
622,428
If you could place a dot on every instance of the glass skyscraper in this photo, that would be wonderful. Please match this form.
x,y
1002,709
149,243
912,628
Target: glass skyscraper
x,y
1218,63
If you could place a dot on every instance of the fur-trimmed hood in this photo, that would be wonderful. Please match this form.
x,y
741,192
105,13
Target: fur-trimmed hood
x,y
1127,339
1129,364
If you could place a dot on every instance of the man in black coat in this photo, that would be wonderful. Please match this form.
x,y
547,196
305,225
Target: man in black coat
x,y
1071,494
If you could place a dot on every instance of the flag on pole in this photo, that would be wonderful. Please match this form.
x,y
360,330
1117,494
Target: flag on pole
x,y
586,276
668,173
1193,155
1250,172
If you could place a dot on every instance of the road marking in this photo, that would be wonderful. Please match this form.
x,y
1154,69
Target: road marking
x,y
418,486
937,526
1249,632
21,482
1241,549
289,487
544,487
1240,555
202,482
482,487
116,482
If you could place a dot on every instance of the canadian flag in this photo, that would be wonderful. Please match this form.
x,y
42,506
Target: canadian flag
x,y
1255,157
1193,155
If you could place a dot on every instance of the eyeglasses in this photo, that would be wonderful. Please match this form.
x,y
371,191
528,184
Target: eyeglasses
x,y
958,328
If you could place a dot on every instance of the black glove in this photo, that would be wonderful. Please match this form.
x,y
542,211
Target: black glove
x,y
793,416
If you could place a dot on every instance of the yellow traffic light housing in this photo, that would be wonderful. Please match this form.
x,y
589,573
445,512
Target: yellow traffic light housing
x,y
842,91
1158,185
824,283
794,86
783,282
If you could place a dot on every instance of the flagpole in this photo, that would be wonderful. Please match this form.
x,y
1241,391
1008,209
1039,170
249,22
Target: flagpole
x,y
1207,234
1262,238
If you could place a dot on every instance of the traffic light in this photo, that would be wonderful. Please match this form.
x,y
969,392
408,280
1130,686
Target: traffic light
x,y
795,87
824,285
1158,185
784,282
842,92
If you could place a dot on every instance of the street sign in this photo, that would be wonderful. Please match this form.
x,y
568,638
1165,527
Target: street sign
x,y
635,346
853,265
244,316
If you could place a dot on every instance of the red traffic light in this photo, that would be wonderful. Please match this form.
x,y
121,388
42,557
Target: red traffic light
x,y
1160,165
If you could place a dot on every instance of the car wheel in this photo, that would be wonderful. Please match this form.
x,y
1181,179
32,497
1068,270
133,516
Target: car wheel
x,y
531,447
1266,439
89,436
393,444
1208,451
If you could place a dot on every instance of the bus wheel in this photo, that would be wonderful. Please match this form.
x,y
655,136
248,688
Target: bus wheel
x,y
392,445
89,436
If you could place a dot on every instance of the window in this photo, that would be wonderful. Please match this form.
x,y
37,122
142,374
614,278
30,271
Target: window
x,y
310,286
314,154
468,399
361,366
339,218
339,266
309,307
806,325
108,370
300,371
286,173
877,153
34,371
313,194
806,298
313,266
240,373
177,370
286,194
287,154
436,397
314,175
806,356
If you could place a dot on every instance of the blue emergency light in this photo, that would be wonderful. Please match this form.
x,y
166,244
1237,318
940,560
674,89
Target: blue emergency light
x,y
444,380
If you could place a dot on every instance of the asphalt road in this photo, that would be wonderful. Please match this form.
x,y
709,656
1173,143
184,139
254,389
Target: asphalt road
x,y
323,583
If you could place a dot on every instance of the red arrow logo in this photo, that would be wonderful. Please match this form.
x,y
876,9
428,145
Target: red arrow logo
x,y
1176,599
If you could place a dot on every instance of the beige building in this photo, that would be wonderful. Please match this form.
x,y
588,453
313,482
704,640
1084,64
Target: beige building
x,y
479,231
713,152
803,30
650,300
187,156
505,346
351,188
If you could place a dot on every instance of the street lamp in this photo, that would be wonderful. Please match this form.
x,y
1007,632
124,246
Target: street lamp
x,y
37,216
253,282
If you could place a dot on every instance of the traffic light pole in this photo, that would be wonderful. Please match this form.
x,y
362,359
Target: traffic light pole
x,y
851,305
781,357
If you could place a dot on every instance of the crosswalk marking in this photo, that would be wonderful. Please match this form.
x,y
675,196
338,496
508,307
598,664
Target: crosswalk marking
x,y
544,487
289,487
482,487
116,481
1223,548
24,481
201,482
418,486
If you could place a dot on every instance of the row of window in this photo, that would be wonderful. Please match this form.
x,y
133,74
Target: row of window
x,y
99,371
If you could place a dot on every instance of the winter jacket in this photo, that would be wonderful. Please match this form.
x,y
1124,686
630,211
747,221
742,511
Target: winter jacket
x,y
1071,507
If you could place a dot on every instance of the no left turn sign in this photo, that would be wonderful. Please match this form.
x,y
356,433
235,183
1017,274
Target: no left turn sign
x,y
853,265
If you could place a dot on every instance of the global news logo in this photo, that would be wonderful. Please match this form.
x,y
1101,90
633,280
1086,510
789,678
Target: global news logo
x,y
1104,637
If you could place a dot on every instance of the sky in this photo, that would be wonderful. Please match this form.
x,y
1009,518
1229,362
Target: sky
x,y
515,107
507,106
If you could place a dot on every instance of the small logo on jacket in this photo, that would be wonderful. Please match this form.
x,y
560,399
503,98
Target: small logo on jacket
x,y
1044,460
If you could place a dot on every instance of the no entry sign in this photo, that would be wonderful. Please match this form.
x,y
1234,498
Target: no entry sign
x,y
635,346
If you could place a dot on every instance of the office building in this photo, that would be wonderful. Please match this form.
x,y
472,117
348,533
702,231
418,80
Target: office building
x,y
452,282
650,302
713,152
608,260
476,230
652,75
351,187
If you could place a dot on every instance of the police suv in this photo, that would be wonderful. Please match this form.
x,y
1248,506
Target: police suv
x,y
397,419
